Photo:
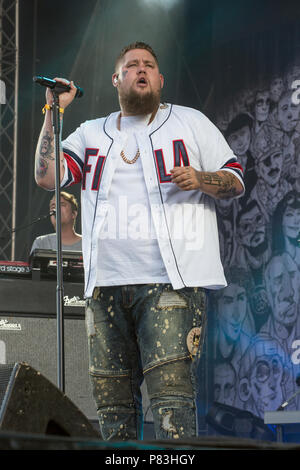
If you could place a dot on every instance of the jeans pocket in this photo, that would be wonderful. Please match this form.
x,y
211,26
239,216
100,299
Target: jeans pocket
x,y
172,299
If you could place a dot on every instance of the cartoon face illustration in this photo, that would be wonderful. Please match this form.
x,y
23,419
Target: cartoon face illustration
x,y
221,121
262,375
239,102
239,141
249,97
282,284
291,223
288,113
269,167
286,220
252,228
265,383
232,309
262,105
276,88
225,206
292,75
224,384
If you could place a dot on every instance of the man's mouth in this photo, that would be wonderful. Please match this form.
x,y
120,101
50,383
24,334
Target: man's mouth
x,y
235,326
266,400
291,123
257,237
142,82
273,173
289,311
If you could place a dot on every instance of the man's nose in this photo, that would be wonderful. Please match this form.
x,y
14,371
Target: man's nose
x,y
236,314
286,291
272,382
141,68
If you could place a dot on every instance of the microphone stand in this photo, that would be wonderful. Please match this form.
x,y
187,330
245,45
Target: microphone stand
x,y
59,287
34,221
287,402
56,89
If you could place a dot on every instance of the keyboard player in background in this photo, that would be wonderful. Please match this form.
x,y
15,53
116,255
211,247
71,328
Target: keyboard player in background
x,y
70,240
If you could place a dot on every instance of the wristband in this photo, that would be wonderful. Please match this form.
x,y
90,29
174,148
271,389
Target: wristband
x,y
47,106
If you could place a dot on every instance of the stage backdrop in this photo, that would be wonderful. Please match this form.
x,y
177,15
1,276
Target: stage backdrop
x,y
254,337
239,63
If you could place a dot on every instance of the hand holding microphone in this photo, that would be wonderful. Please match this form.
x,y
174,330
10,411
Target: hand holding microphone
x,y
66,90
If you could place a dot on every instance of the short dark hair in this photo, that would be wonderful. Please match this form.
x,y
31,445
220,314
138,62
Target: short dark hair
x,y
234,275
237,123
246,208
132,46
291,199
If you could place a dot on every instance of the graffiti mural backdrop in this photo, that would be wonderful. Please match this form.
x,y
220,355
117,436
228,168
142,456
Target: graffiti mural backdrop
x,y
255,337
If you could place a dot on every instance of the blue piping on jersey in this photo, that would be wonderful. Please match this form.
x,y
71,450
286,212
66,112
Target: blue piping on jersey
x,y
95,211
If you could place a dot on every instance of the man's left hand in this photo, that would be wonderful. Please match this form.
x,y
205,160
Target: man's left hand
x,y
185,177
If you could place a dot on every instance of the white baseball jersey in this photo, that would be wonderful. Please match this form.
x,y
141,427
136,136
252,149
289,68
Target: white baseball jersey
x,y
185,221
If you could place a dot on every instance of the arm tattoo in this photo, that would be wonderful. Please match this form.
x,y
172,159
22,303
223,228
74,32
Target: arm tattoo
x,y
225,182
46,153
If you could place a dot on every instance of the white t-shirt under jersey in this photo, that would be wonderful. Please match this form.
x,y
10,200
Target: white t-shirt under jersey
x,y
177,134
128,248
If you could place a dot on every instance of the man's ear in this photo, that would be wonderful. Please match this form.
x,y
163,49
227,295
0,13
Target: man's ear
x,y
115,79
162,81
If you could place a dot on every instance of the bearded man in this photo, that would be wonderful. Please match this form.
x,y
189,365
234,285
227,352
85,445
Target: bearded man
x,y
149,175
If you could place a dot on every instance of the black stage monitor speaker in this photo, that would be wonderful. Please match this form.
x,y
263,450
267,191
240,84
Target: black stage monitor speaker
x,y
30,403
232,421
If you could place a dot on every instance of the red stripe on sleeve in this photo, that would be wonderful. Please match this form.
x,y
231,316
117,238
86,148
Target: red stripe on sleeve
x,y
73,167
234,165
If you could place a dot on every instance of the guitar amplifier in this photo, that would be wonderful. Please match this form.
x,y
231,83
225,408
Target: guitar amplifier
x,y
28,333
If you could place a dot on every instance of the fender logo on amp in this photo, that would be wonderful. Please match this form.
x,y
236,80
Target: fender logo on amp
x,y
5,325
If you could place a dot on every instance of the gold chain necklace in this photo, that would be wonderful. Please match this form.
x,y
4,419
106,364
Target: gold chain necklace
x,y
126,160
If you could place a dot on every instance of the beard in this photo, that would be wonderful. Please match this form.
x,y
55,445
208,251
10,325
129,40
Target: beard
x,y
135,103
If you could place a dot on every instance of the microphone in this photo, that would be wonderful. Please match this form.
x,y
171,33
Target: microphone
x,y
58,87
283,405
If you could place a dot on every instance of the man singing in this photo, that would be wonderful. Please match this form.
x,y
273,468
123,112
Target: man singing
x,y
149,174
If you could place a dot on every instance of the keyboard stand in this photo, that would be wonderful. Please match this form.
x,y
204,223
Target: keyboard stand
x,y
280,418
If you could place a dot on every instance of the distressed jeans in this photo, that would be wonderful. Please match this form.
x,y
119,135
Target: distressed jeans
x,y
151,332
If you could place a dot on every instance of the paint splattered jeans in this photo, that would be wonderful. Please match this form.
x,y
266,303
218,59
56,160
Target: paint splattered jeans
x,y
151,332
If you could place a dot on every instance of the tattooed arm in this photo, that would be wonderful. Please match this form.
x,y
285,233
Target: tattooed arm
x,y
45,151
45,156
220,184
